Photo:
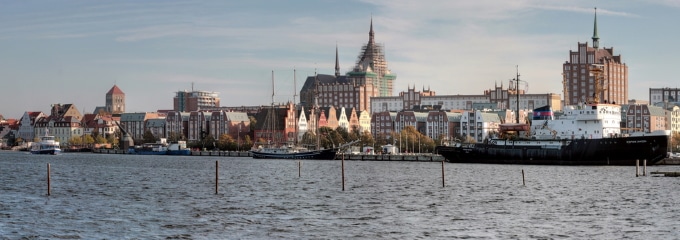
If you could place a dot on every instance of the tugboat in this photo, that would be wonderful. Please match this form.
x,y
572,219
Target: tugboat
x,y
587,134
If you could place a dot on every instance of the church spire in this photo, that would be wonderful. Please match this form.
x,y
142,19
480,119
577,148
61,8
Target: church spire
x,y
371,39
596,39
337,63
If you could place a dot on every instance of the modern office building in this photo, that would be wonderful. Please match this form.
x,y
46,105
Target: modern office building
x,y
189,101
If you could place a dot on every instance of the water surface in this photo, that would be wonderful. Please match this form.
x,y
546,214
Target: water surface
x,y
99,196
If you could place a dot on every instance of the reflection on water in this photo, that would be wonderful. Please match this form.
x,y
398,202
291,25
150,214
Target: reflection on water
x,y
122,196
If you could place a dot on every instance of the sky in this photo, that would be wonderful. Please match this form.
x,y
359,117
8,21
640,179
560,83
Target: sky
x,y
75,51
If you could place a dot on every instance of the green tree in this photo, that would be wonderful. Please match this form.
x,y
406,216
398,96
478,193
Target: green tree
x,y
226,142
148,137
75,141
344,135
100,139
366,139
88,140
174,137
209,142
247,142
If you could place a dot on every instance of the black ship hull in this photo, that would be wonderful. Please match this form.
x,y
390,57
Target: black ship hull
x,y
325,154
606,151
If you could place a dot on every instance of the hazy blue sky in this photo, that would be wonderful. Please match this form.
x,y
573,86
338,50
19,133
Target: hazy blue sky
x,y
75,51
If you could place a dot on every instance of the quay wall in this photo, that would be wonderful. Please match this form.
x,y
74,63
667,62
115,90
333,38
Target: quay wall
x,y
357,157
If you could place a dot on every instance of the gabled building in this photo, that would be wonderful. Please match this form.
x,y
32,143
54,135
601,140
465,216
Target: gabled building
x,y
343,122
364,122
27,124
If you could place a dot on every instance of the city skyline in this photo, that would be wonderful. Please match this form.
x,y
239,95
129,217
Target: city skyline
x,y
73,52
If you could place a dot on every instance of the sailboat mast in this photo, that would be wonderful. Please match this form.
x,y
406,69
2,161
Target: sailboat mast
x,y
295,135
272,122
517,92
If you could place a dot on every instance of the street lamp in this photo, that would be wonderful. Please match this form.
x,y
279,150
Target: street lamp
x,y
238,138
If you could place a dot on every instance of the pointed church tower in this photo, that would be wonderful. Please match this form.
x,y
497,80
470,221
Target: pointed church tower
x,y
337,63
115,100
596,39
371,67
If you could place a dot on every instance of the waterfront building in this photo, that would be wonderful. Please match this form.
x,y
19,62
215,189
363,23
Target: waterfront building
x,y
643,118
135,123
580,85
194,100
343,122
176,124
382,123
331,117
478,125
156,127
443,125
282,129
27,124
498,97
364,121
198,126
115,100
63,123
302,124
98,124
353,120
234,124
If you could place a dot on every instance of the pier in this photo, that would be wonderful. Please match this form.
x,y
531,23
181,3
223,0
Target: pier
x,y
423,157
666,174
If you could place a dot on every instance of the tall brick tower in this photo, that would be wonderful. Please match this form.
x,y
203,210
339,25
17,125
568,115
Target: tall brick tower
x,y
115,100
579,86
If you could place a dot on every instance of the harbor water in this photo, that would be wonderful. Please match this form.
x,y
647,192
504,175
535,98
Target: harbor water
x,y
109,196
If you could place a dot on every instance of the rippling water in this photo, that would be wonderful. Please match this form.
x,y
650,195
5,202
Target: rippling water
x,y
125,196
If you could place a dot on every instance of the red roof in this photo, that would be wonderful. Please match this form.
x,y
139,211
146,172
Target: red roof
x,y
115,90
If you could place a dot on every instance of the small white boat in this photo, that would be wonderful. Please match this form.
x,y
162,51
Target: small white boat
x,y
47,145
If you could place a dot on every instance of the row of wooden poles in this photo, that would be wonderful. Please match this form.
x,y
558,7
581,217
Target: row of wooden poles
x,y
299,163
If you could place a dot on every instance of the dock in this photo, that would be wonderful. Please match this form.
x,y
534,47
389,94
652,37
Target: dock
x,y
666,174
422,157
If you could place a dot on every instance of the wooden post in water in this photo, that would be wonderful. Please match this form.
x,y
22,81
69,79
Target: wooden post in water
x,y
523,182
343,172
217,175
443,179
637,167
49,189
299,169
644,167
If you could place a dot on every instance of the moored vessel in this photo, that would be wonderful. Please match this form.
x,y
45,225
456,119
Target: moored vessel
x,y
585,135
47,145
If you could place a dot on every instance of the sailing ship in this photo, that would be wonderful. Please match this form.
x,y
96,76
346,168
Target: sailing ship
x,y
587,134
274,148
